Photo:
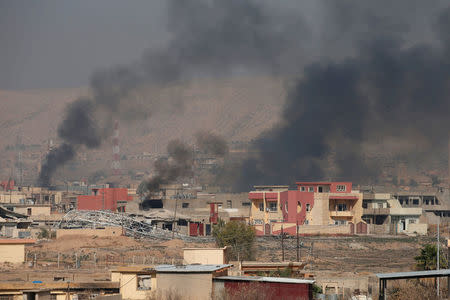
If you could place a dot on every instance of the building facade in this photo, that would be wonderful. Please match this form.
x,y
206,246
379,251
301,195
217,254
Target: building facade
x,y
276,208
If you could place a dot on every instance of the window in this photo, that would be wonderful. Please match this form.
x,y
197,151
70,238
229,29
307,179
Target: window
x,y
302,189
185,205
415,201
320,189
364,205
412,221
144,282
246,203
261,207
29,211
229,204
340,188
306,222
310,189
272,206
219,205
308,207
342,207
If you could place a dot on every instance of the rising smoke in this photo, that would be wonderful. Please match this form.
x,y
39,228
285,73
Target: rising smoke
x,y
180,162
366,72
213,38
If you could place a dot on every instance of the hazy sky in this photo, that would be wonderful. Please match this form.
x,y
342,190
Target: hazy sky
x,y
52,44
60,43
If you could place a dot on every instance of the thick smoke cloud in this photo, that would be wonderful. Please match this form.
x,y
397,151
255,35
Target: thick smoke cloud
x,y
213,38
180,162
366,71
387,90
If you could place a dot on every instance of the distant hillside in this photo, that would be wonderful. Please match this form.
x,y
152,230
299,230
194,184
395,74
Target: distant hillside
x,y
238,109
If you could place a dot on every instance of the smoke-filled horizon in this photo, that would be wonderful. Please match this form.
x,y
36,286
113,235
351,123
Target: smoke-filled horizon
x,y
365,72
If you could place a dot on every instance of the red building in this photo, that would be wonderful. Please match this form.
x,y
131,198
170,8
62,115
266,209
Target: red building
x,y
104,199
264,287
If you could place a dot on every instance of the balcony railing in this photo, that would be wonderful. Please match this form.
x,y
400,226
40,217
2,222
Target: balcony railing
x,y
376,211
345,213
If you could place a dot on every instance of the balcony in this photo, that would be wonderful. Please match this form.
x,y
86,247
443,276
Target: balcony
x,y
376,211
345,213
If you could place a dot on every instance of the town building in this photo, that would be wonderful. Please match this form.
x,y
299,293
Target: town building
x,y
136,282
13,250
206,256
385,214
113,199
263,287
276,208
13,224
189,281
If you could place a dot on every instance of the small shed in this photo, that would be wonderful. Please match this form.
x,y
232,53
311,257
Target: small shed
x,y
264,287
206,255
13,250
189,281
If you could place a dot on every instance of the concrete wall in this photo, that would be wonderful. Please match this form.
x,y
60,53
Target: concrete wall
x,y
205,256
108,231
13,253
35,210
129,283
189,286
324,229
418,228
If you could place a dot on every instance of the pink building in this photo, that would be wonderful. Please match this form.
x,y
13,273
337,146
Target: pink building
x,y
312,203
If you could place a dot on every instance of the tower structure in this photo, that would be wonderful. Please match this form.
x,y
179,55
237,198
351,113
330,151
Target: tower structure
x,y
116,150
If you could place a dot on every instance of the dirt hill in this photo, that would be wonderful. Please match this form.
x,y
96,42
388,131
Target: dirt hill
x,y
238,109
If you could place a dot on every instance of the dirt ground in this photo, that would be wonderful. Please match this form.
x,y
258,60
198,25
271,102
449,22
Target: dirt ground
x,y
96,255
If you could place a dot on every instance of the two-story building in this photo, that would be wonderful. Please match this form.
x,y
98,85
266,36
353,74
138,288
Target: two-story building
x,y
276,208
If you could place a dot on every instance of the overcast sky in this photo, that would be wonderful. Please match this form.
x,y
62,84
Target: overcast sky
x,y
53,44
60,43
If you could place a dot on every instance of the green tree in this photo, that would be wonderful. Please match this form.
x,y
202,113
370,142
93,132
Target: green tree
x,y
142,189
435,180
238,235
395,180
413,183
428,258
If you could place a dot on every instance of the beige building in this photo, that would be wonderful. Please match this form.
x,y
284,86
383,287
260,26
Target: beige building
x,y
13,250
190,282
30,209
206,255
20,290
135,282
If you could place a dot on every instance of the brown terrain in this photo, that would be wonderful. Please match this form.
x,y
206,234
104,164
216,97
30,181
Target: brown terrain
x,y
363,255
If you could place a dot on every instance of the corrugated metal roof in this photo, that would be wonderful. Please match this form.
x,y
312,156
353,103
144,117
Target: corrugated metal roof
x,y
265,279
415,274
190,268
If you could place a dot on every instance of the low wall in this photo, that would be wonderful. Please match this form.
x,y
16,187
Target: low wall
x,y
105,232
324,229
378,229
418,228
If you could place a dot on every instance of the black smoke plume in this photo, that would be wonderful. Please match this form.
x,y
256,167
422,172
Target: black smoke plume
x,y
387,90
210,38
180,162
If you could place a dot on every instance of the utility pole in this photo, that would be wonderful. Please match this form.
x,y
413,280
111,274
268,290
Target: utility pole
x,y
298,245
437,263
282,244
175,215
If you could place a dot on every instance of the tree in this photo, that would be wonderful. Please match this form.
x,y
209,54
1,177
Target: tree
x,y
435,180
428,258
413,183
238,235
142,189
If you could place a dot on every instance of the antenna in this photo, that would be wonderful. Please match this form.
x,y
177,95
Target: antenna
x,y
116,150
